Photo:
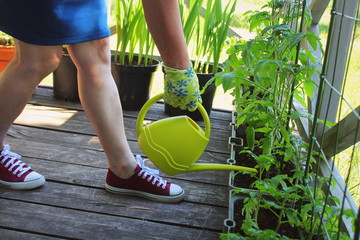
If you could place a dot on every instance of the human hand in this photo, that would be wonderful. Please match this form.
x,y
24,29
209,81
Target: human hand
x,y
181,88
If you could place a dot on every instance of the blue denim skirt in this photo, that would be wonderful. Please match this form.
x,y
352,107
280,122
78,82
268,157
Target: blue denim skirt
x,y
54,22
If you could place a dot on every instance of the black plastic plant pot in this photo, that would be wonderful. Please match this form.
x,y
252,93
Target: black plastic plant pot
x,y
65,80
207,99
266,218
134,84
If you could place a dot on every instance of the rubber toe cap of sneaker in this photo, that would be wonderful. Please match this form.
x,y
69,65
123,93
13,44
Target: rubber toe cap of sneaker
x,y
33,176
175,190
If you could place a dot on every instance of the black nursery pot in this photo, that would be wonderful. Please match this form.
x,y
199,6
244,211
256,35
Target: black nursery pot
x,y
266,218
134,83
207,99
65,80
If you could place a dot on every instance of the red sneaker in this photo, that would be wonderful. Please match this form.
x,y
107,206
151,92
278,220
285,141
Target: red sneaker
x,y
145,183
16,174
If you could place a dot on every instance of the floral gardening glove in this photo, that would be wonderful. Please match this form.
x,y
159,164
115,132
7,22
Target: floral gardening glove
x,y
181,88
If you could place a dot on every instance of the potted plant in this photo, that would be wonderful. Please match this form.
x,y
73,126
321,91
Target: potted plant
x,y
208,37
65,85
265,75
279,210
7,50
134,64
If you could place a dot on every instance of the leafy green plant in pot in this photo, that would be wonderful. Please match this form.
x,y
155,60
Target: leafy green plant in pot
x,y
208,37
281,72
134,65
7,50
278,78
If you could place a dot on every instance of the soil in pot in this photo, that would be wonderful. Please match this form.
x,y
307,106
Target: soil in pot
x,y
244,159
266,220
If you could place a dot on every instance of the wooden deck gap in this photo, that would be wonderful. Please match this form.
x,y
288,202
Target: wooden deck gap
x,y
55,130
37,233
208,204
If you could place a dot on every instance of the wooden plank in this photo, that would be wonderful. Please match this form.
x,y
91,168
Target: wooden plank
x,y
318,8
97,200
203,193
338,48
86,150
343,135
75,224
87,142
62,119
70,156
339,190
44,96
302,123
8,234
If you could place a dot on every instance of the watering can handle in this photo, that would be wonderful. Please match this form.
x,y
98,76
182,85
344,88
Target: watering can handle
x,y
153,100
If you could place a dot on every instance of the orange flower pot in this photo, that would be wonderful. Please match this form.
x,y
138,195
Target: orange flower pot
x,y
6,54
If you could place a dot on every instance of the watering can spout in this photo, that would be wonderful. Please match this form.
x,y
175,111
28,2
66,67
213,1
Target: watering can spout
x,y
215,167
174,144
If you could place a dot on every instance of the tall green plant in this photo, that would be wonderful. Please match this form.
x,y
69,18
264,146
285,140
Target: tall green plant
x,y
132,34
206,30
276,77
211,34
264,107
265,74
189,17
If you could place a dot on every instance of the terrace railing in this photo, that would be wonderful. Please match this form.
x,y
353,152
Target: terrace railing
x,y
338,145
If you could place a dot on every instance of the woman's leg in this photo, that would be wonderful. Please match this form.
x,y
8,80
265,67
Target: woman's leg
x,y
101,102
100,99
17,82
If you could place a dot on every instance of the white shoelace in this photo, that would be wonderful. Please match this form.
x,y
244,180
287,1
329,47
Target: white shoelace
x,y
12,162
149,173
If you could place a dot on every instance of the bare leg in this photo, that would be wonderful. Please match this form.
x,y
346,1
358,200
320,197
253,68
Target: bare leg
x,y
164,22
18,80
101,102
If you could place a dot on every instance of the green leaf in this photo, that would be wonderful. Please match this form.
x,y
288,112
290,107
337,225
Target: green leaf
x,y
284,133
313,40
191,19
309,88
292,217
250,137
267,144
227,80
318,209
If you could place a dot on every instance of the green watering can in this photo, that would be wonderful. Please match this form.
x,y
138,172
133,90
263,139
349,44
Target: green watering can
x,y
174,144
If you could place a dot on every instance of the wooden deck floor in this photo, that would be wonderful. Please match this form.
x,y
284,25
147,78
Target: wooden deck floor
x,y
56,139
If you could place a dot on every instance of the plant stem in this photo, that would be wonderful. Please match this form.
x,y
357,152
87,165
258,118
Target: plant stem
x,y
280,216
